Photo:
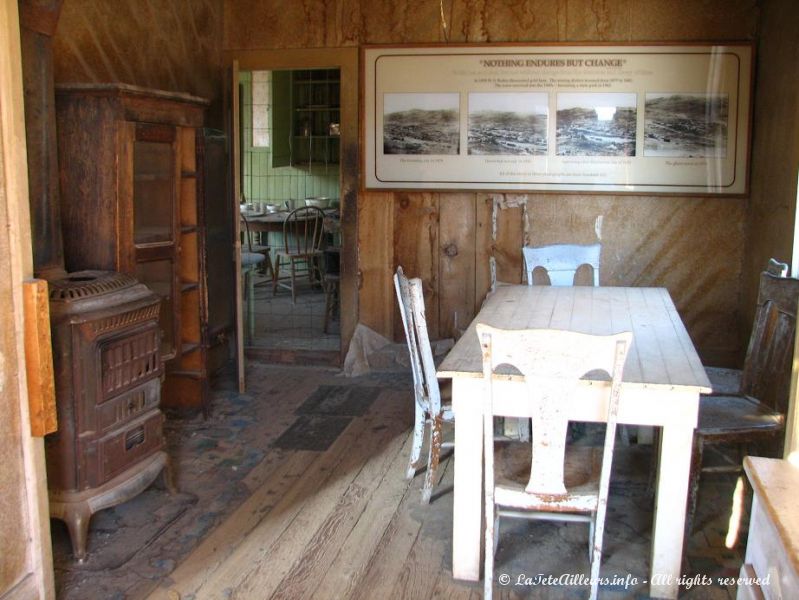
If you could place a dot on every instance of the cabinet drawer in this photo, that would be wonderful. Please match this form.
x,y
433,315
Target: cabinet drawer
x,y
123,448
767,555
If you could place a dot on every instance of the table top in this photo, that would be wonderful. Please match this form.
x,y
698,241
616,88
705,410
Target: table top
x,y
662,353
277,216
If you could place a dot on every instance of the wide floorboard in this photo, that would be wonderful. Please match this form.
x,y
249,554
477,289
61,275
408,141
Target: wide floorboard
x,y
297,490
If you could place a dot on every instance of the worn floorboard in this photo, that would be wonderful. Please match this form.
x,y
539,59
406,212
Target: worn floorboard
x,y
342,521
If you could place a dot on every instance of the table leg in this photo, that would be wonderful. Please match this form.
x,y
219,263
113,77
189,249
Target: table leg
x,y
676,443
467,501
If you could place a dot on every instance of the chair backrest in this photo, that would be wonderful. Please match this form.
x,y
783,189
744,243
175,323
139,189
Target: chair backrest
x,y
561,261
411,303
247,234
303,230
775,267
249,259
552,363
769,358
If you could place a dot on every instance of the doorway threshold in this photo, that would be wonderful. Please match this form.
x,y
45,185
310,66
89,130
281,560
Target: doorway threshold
x,y
289,356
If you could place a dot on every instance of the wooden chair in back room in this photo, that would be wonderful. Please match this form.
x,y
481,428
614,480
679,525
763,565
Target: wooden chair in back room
x,y
252,258
427,394
554,481
561,261
303,234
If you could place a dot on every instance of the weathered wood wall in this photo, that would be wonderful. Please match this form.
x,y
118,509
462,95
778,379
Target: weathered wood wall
x,y
775,149
167,45
694,246
707,251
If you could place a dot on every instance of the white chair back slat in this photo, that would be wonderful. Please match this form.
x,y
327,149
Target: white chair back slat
x,y
552,363
414,321
561,261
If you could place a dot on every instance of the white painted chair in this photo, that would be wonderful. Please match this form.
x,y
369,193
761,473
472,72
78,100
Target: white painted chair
x,y
561,261
556,485
429,408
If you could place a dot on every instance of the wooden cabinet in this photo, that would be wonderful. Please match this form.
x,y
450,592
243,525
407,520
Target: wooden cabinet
x,y
129,203
771,567
306,117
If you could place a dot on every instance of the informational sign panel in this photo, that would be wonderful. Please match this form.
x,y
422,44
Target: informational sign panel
x,y
640,119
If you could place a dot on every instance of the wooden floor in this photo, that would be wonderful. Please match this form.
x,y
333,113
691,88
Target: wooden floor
x,y
281,324
343,522
335,524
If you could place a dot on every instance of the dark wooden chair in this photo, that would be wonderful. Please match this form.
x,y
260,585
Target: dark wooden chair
x,y
756,413
252,258
728,381
303,233
331,284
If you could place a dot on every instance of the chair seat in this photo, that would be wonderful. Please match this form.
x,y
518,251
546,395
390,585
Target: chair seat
x,y
249,259
727,415
445,391
259,249
583,466
295,255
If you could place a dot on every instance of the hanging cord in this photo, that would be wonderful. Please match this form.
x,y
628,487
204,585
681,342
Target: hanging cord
x,y
443,21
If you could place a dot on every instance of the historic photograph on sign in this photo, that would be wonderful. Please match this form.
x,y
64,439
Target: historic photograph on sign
x,y
421,123
596,124
686,125
628,118
508,123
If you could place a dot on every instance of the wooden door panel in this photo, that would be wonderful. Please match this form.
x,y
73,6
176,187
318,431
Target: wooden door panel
x,y
26,569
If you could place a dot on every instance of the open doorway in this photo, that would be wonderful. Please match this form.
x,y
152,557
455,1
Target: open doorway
x,y
290,130
344,61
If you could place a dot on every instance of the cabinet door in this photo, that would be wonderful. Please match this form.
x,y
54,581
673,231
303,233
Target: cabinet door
x,y
154,184
158,274
154,219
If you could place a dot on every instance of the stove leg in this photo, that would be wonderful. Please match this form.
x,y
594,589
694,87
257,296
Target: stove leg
x,y
168,478
77,519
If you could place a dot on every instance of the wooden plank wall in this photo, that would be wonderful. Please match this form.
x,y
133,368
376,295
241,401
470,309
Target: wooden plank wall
x,y
775,147
692,246
456,241
174,46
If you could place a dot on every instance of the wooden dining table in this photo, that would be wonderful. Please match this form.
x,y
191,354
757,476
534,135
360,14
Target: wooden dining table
x,y
273,221
663,378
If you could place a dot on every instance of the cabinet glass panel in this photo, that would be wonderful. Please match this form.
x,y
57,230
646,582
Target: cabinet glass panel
x,y
153,192
158,275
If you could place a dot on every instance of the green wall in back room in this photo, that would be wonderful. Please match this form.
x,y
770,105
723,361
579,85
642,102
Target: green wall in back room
x,y
262,182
